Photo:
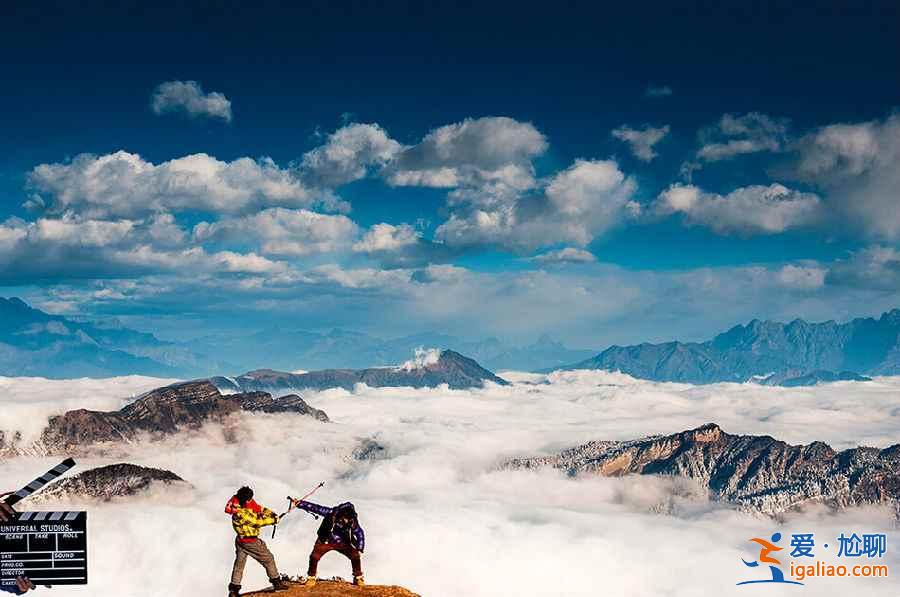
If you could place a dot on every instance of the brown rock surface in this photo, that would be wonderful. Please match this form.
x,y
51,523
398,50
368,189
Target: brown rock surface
x,y
331,588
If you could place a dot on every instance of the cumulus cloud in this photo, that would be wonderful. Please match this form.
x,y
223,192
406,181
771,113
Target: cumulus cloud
x,y
468,153
439,479
387,237
565,255
280,231
574,206
641,141
748,210
125,185
856,167
348,154
188,97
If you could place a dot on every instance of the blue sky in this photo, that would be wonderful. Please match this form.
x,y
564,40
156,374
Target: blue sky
x,y
601,174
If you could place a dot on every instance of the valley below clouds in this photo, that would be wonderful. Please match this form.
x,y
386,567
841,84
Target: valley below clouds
x,y
442,516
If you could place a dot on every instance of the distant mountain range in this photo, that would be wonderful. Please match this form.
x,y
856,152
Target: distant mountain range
x,y
430,369
288,350
35,343
759,473
768,352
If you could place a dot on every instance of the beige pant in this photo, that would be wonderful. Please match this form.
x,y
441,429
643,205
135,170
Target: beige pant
x,y
259,552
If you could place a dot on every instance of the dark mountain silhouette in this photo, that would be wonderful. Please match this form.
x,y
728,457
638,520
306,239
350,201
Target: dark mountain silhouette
x,y
451,368
157,413
756,472
108,482
796,353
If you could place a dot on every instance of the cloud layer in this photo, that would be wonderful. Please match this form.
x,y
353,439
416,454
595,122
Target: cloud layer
x,y
438,479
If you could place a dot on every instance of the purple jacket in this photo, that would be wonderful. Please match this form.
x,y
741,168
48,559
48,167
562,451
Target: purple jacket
x,y
337,534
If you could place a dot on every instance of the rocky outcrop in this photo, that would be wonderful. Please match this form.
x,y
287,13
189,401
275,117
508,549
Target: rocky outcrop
x,y
336,588
756,472
450,368
108,482
157,413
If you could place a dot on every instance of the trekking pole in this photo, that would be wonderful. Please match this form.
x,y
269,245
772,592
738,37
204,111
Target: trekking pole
x,y
291,504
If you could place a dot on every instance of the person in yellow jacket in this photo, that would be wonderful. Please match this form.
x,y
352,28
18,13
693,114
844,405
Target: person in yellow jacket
x,y
247,518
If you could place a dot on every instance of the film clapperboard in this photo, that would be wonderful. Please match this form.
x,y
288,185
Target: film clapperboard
x,y
50,548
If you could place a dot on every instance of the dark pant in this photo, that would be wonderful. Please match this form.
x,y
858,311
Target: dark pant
x,y
320,549
259,552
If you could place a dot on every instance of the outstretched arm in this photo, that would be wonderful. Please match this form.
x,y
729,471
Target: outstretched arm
x,y
313,508
359,538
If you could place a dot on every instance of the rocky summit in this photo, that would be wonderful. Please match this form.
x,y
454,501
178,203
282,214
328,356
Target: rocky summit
x,y
337,588
157,413
450,368
758,473
108,482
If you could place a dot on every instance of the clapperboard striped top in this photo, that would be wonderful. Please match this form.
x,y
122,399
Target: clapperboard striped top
x,y
35,485
51,516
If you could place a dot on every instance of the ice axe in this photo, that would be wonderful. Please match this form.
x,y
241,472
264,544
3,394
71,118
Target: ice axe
x,y
291,504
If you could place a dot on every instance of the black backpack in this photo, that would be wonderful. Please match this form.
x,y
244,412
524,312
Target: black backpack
x,y
327,528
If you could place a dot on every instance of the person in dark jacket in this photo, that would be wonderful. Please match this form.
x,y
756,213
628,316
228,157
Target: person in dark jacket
x,y
340,531
21,584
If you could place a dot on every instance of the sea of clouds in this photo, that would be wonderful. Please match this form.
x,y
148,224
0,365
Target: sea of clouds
x,y
441,518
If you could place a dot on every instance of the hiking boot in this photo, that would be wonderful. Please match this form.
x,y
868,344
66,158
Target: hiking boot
x,y
359,581
309,581
234,590
278,584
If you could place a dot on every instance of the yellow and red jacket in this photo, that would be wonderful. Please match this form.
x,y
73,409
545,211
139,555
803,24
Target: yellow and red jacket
x,y
248,520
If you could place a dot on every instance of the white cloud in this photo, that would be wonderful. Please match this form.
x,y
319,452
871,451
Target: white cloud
x,y
124,184
467,153
87,233
565,255
856,166
576,205
641,141
802,277
748,210
280,231
188,97
348,154
388,238
439,479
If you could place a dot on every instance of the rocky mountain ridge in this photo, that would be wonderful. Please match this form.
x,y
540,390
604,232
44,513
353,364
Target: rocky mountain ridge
x,y
796,353
449,367
157,413
105,483
758,473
